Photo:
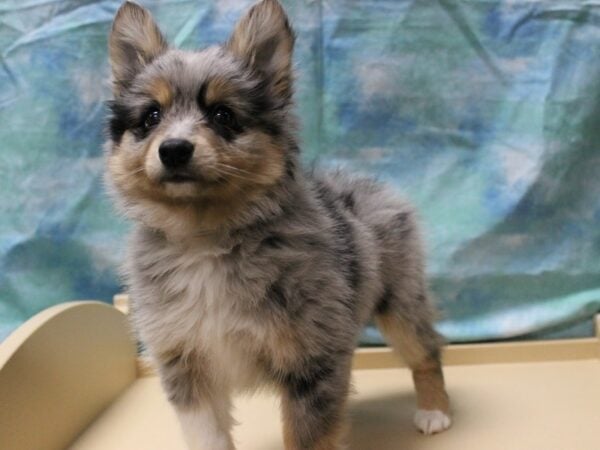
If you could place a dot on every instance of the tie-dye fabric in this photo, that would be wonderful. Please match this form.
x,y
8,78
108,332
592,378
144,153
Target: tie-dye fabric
x,y
486,113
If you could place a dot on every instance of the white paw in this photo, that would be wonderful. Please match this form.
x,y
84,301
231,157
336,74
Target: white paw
x,y
431,421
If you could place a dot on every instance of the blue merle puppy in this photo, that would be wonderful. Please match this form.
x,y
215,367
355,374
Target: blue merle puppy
x,y
243,269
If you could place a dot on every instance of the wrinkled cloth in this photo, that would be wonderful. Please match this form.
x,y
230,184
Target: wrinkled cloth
x,y
485,113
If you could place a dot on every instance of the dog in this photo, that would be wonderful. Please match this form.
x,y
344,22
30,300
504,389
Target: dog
x,y
244,269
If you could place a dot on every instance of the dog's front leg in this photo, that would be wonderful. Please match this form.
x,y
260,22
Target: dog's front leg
x,y
206,426
313,404
202,406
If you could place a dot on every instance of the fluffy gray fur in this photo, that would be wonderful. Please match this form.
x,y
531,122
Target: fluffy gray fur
x,y
277,293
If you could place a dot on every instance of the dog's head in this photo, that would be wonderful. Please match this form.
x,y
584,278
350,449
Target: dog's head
x,y
205,128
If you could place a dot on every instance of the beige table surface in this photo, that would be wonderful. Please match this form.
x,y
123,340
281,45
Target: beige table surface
x,y
71,376
518,406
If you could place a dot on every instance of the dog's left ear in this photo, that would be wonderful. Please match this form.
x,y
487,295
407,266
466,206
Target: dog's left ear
x,y
264,40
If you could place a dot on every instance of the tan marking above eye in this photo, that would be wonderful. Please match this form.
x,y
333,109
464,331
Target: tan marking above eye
x,y
161,91
217,89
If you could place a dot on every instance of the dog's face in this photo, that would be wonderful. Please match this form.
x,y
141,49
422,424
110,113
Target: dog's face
x,y
210,126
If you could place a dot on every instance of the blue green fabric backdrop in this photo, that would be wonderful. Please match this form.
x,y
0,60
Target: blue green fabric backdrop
x,y
486,113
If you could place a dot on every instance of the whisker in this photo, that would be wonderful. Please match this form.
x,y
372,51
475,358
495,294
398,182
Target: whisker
x,y
141,169
222,171
236,169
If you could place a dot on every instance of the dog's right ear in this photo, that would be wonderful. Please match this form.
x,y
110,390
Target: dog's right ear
x,y
135,40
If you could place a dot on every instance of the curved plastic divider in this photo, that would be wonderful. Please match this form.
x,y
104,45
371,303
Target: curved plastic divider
x,y
59,370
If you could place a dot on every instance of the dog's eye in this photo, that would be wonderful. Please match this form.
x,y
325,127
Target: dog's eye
x,y
152,118
223,116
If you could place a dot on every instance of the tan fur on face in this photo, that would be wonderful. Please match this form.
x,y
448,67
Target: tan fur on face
x,y
161,91
259,156
140,197
240,174
223,90
126,165
218,89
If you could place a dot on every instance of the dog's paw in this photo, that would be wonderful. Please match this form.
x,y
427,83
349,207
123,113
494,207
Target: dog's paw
x,y
431,421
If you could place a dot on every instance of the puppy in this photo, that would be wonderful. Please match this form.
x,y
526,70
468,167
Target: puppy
x,y
245,271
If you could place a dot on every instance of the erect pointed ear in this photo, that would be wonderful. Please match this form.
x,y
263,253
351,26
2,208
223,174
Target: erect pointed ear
x,y
135,41
264,40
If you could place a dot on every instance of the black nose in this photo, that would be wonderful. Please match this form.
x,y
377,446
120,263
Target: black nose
x,y
175,153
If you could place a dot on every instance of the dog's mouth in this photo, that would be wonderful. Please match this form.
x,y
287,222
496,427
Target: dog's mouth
x,y
178,178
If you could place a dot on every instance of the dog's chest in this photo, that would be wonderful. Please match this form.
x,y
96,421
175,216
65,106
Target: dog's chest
x,y
195,304
200,307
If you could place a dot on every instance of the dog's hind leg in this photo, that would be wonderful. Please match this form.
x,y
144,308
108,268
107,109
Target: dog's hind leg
x,y
407,327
